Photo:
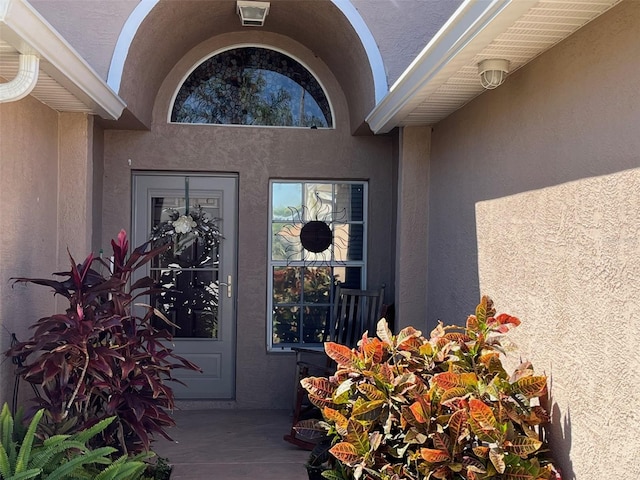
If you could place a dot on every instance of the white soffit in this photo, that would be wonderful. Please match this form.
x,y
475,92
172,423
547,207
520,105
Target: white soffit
x,y
444,77
66,82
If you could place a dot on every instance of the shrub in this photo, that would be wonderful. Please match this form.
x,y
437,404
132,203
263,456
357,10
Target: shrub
x,y
407,407
23,455
99,358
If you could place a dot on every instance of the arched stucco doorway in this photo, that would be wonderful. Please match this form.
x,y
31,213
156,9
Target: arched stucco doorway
x,y
171,40
158,33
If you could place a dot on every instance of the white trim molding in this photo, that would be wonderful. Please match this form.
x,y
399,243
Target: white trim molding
x,y
136,18
445,76
25,30
469,30
369,43
127,34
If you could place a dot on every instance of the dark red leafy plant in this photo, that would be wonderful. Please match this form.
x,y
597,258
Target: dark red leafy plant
x,y
102,357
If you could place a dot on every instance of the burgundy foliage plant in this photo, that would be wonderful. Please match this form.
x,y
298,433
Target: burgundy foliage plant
x,y
103,357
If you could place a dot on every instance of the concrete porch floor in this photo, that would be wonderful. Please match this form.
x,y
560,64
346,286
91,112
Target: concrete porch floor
x,y
230,444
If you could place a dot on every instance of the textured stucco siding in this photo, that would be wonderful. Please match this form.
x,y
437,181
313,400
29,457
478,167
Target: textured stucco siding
x,y
402,28
28,237
46,188
412,226
566,259
534,201
91,27
257,155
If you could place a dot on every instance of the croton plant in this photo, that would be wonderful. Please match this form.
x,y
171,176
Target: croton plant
x,y
102,357
407,407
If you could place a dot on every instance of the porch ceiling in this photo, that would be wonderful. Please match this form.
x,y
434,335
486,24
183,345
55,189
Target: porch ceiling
x,y
66,82
444,77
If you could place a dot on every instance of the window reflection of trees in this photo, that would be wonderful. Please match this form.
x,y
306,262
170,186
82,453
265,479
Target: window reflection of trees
x,y
191,302
304,269
301,293
189,277
252,86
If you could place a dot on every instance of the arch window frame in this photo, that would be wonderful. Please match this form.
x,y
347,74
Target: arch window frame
x,y
227,48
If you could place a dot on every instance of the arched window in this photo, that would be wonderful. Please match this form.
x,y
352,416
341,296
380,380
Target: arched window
x,y
252,86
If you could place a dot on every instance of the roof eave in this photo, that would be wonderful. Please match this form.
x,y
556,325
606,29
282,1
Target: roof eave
x,y
28,32
469,29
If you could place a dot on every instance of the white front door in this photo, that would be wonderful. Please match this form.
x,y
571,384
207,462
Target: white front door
x,y
201,300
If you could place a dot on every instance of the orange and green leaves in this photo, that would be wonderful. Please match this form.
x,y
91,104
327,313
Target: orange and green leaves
x,y
343,356
320,391
372,349
441,408
483,422
346,453
531,386
421,411
502,323
458,428
449,380
367,410
355,447
523,446
432,455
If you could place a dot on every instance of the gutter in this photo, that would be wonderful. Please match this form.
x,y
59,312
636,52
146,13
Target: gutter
x,y
22,27
472,27
24,81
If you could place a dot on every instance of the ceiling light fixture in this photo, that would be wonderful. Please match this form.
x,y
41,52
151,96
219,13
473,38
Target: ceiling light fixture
x,y
252,14
493,72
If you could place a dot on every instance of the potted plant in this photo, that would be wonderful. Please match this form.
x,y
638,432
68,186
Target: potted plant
x,y
407,407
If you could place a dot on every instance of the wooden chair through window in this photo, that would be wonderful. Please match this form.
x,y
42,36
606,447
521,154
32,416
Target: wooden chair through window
x,y
353,312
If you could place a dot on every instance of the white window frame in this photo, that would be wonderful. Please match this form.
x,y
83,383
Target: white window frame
x,y
300,263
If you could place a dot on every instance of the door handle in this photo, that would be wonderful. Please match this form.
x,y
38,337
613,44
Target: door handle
x,y
228,285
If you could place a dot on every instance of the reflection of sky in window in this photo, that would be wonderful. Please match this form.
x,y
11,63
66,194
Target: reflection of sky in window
x,y
286,195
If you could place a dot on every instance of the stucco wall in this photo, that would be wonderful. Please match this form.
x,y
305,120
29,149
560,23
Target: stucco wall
x,y
566,260
92,28
402,28
257,155
45,193
28,237
97,186
536,184
75,186
412,227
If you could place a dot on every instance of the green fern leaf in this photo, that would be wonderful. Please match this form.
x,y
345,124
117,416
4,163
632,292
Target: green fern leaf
x,y
96,456
5,465
25,449
85,435
43,456
31,473
6,426
122,471
111,472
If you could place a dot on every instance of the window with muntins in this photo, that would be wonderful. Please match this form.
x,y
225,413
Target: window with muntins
x,y
252,86
318,233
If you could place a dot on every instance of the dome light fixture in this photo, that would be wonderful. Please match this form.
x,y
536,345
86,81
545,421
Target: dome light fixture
x,y
252,14
493,72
